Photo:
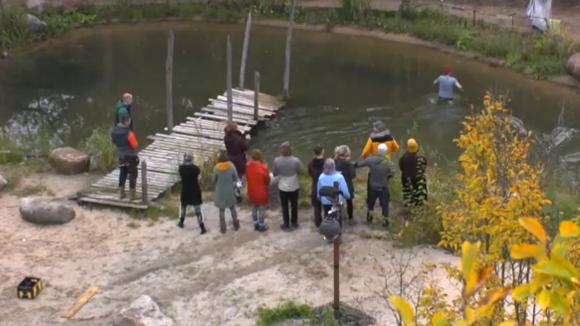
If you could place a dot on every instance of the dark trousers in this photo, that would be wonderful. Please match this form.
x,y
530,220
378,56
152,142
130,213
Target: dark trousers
x,y
128,169
382,194
349,208
288,199
317,210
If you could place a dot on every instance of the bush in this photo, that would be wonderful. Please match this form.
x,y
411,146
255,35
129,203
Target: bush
x,y
285,311
100,147
13,28
9,152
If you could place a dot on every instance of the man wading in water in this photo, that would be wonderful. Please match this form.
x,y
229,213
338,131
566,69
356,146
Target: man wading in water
x,y
446,84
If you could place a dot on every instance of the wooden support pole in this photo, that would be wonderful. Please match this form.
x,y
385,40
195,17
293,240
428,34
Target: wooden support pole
x,y
256,94
245,50
512,15
289,50
229,79
336,275
144,187
474,17
169,80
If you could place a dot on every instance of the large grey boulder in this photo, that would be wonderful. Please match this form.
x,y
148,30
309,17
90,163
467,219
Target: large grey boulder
x,y
67,160
35,24
144,312
3,183
44,211
574,66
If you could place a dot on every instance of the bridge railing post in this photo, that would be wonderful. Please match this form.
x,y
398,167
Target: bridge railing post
x,y
256,95
229,79
144,195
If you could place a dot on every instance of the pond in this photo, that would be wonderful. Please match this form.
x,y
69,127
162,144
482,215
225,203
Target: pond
x,y
59,92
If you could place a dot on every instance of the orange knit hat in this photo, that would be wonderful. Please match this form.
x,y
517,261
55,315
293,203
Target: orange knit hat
x,y
412,145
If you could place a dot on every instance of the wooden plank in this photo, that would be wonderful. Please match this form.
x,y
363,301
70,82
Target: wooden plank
x,y
196,132
114,203
193,139
221,112
209,115
265,99
217,124
81,301
241,109
249,103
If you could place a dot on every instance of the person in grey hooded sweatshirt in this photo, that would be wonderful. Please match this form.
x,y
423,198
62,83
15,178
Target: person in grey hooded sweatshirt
x,y
380,172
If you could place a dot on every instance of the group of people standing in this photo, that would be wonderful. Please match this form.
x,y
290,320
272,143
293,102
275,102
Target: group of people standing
x,y
233,170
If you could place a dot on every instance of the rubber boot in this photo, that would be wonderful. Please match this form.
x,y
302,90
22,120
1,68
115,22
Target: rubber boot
x,y
122,193
386,222
132,194
223,227
369,217
203,229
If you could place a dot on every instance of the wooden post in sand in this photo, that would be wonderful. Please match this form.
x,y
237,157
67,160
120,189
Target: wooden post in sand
x,y
229,79
289,51
245,50
169,81
336,303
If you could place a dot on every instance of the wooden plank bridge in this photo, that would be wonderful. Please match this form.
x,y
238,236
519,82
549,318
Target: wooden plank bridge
x,y
201,135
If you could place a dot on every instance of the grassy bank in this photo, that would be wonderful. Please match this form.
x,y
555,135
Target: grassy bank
x,y
538,55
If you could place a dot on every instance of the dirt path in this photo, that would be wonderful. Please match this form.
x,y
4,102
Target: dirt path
x,y
500,14
197,280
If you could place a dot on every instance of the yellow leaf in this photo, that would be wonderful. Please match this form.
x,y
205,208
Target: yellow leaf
x,y
556,268
544,299
508,323
569,229
534,226
469,253
439,319
523,251
521,292
404,309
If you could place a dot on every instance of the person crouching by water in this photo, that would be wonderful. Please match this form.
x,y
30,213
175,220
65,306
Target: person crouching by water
x,y
342,159
190,191
413,178
258,180
287,168
315,168
126,143
380,172
224,179
327,179
446,84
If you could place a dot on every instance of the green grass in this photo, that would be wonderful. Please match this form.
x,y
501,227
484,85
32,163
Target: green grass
x,y
101,149
286,311
9,152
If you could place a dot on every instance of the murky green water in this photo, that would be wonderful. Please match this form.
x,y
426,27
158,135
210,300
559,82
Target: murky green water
x,y
339,84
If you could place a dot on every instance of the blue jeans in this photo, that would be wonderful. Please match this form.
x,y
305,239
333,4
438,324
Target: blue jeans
x,y
258,213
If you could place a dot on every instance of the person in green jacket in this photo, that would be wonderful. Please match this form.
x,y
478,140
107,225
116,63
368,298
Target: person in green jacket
x,y
224,179
123,108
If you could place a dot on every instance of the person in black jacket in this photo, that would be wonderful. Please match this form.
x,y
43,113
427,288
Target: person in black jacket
x,y
315,169
342,158
190,191
414,181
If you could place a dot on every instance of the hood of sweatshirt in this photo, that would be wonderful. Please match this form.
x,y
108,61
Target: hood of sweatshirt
x,y
381,137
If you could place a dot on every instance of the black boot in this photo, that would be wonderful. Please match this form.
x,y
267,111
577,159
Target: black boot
x,y
369,217
180,223
223,227
385,222
203,229
236,224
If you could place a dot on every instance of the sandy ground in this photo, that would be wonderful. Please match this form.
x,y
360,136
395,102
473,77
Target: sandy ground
x,y
197,280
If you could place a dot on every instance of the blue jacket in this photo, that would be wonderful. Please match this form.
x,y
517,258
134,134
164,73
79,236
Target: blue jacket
x,y
328,180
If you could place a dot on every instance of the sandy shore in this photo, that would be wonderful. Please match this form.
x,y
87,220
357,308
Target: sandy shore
x,y
197,280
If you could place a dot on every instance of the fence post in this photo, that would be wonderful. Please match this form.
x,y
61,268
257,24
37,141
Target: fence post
x,y
229,79
245,50
288,51
169,80
256,94
512,22
144,195
474,16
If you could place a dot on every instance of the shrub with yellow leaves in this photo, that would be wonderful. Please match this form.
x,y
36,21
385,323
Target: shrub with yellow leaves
x,y
554,285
